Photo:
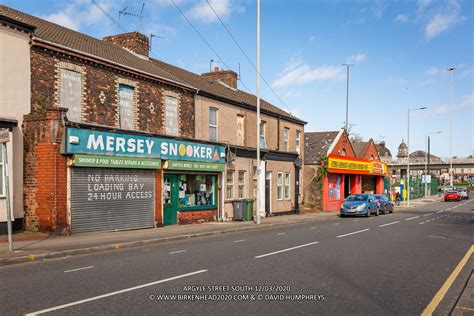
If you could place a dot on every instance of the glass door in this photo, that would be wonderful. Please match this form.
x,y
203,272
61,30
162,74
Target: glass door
x,y
170,199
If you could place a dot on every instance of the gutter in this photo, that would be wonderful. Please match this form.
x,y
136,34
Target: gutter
x,y
113,63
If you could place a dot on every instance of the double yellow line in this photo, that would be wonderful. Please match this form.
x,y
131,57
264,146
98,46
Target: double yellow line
x,y
447,284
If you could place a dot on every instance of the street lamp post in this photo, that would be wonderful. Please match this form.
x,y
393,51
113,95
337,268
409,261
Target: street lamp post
x,y
427,145
346,124
451,70
408,148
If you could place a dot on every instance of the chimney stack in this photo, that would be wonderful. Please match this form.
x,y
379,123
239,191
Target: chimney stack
x,y
133,41
228,77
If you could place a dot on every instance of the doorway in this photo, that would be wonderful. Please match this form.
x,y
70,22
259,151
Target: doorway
x,y
170,199
347,186
268,193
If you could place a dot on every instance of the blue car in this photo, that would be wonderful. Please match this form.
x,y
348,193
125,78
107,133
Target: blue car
x,y
360,204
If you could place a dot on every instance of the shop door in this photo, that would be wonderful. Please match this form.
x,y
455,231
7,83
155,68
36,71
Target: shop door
x,y
347,186
170,199
105,199
369,184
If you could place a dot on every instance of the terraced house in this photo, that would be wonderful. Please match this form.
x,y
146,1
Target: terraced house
x,y
115,139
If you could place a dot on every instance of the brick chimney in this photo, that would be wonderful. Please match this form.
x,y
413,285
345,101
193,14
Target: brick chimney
x,y
133,41
228,77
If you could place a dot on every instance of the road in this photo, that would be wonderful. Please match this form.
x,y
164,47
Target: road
x,y
386,265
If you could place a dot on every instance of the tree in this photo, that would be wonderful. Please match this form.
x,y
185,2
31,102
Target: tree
x,y
356,138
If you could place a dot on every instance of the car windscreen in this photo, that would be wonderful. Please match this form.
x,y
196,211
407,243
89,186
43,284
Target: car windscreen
x,y
357,198
381,197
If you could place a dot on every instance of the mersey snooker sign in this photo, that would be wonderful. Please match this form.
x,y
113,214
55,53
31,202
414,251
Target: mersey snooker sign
x,y
84,141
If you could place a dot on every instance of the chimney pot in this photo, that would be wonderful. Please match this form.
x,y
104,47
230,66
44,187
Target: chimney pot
x,y
133,41
228,77
216,69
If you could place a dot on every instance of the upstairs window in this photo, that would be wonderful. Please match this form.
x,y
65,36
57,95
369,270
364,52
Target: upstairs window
x,y
71,94
126,106
286,145
213,131
240,130
263,141
171,116
298,142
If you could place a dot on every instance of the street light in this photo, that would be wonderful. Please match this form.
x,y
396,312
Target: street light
x,y
347,94
427,149
408,149
451,69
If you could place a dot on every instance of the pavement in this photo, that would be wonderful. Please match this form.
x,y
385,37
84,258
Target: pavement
x,y
38,246
414,261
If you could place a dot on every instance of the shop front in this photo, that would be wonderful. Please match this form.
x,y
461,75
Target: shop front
x,y
122,181
348,175
190,191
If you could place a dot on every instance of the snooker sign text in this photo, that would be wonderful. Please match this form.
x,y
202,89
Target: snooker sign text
x,y
83,141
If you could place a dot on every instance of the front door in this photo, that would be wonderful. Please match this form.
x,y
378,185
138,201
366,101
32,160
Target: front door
x,y
170,199
268,192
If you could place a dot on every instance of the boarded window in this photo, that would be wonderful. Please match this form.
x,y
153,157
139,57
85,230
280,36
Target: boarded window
x,y
71,94
126,106
172,126
240,130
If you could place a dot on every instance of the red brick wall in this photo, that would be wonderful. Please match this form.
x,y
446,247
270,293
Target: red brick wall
x,y
371,151
133,41
45,178
229,77
190,217
101,95
345,144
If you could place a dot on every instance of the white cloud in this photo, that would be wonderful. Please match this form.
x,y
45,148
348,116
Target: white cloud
x,y
432,71
401,18
66,17
356,58
423,4
466,102
201,11
298,73
442,18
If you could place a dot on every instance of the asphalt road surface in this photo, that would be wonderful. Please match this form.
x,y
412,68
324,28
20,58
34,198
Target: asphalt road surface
x,y
386,265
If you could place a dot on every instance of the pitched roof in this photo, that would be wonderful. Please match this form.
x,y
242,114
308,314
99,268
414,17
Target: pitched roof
x,y
422,154
360,148
317,144
87,45
383,151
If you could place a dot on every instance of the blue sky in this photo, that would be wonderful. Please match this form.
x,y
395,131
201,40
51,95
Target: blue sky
x,y
401,49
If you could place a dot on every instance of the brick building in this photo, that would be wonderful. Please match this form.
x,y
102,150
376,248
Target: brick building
x,y
335,168
115,140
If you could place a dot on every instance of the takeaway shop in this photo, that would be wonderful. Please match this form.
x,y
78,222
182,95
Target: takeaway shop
x,y
123,181
347,175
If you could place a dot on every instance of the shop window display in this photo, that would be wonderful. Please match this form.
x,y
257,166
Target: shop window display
x,y
196,190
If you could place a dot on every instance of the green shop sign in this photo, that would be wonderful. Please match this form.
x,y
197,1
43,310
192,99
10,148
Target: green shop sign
x,y
115,162
194,166
92,142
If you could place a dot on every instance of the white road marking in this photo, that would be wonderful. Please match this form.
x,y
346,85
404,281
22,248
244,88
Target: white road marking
x,y
422,223
356,220
240,240
409,219
371,218
336,223
279,234
287,249
428,214
313,228
389,224
359,231
95,298
78,269
178,251
439,212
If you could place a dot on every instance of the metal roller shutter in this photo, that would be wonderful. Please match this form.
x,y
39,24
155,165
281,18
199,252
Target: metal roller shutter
x,y
111,199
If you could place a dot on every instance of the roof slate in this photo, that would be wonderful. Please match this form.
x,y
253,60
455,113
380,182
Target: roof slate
x,y
317,144
70,39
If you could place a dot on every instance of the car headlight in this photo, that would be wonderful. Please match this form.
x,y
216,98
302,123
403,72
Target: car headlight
x,y
362,206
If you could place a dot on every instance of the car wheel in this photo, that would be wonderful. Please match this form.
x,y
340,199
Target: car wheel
x,y
376,212
368,213
342,215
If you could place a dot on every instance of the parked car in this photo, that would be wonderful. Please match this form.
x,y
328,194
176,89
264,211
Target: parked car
x,y
463,192
360,204
452,196
385,205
